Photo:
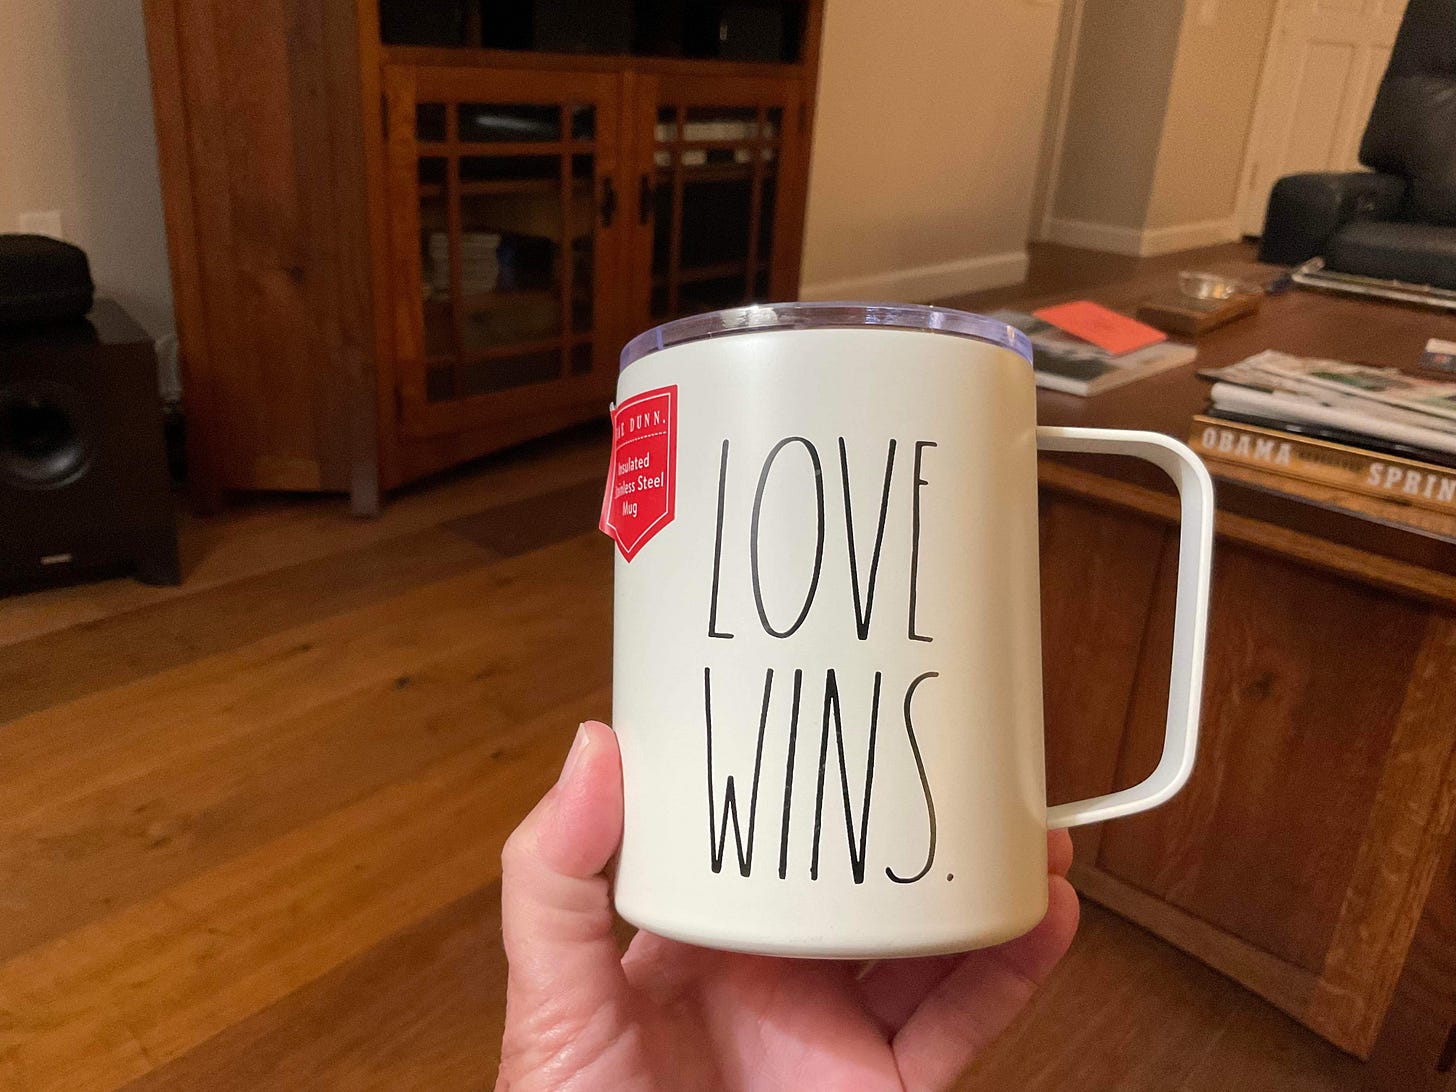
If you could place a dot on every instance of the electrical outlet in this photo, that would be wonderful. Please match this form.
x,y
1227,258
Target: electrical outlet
x,y
1207,13
46,222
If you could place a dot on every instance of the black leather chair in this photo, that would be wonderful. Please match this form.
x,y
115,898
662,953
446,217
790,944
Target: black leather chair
x,y
1398,220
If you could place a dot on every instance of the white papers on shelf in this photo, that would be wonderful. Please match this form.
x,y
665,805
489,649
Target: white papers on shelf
x,y
479,265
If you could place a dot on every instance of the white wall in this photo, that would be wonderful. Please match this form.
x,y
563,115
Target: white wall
x,y
926,141
1210,112
76,135
1154,139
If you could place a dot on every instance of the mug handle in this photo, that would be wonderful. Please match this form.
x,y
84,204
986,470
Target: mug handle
x,y
1190,619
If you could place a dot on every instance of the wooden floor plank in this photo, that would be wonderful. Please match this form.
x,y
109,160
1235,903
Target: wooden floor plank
x,y
529,524
263,535
423,1011
150,983
1125,1012
109,651
103,850
62,753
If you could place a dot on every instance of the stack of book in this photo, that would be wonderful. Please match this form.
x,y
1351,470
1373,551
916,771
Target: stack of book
x,y
479,262
1083,348
1374,431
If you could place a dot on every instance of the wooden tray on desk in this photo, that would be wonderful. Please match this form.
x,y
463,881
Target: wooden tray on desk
x,y
1183,316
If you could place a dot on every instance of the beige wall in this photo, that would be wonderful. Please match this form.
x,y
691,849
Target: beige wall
x,y
1162,101
1210,109
925,146
926,142
1120,86
76,135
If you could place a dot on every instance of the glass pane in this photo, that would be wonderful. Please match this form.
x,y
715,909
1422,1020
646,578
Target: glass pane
x,y
582,219
583,122
510,317
503,373
581,286
510,254
709,295
434,232
721,123
581,358
439,384
715,222
509,122
430,121
766,219
439,340
510,168
662,227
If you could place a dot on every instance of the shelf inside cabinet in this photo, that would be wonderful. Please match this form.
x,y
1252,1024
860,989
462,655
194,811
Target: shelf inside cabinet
x,y
466,56
492,186
716,172
693,274
505,299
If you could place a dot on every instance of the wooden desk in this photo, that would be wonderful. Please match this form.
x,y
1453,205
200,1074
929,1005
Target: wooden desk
x,y
1306,848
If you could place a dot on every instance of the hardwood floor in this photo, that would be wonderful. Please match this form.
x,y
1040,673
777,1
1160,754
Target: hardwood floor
x,y
250,827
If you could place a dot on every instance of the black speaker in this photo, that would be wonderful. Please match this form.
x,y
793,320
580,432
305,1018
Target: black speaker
x,y
84,488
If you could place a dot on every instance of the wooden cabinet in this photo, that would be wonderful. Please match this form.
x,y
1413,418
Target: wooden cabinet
x,y
388,259
505,226
1300,856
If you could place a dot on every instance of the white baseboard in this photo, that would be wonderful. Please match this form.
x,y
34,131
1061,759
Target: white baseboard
x,y
926,282
1165,240
1084,233
1141,242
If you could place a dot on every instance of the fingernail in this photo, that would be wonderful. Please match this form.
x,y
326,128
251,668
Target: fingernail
x,y
576,757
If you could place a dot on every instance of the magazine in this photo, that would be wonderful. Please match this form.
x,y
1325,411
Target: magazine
x,y
1064,362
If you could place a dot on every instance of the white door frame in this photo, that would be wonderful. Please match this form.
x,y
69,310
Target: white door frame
x,y
1274,50
1265,136
1064,67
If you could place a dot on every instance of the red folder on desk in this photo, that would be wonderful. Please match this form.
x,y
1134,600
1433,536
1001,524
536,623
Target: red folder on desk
x,y
1117,334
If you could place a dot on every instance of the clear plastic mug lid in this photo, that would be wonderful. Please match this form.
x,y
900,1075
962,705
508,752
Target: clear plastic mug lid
x,y
818,316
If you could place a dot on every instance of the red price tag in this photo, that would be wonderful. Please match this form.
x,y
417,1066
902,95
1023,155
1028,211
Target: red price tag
x,y
642,480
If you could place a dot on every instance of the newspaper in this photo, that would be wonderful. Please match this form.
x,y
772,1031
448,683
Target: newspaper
x,y
1367,398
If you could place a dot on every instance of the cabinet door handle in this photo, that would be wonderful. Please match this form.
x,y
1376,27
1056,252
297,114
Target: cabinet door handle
x,y
644,200
609,201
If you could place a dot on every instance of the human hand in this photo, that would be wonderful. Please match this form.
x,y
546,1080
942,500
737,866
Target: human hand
x,y
675,1016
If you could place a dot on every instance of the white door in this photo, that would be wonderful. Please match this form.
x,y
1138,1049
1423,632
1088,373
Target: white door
x,y
1321,70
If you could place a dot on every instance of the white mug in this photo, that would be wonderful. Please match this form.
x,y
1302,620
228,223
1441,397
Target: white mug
x,y
827,662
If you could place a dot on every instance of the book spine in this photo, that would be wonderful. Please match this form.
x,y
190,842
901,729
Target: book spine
x,y
1325,463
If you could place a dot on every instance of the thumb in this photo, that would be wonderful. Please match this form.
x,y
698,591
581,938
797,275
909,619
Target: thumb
x,y
556,914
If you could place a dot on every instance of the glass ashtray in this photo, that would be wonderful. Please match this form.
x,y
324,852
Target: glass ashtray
x,y
1214,286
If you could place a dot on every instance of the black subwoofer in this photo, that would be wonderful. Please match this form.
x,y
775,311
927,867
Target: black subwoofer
x,y
84,489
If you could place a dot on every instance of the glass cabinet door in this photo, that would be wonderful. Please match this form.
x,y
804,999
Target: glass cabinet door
x,y
713,193
504,211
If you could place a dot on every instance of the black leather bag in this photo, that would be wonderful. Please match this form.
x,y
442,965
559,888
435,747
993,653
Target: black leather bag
x,y
42,279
